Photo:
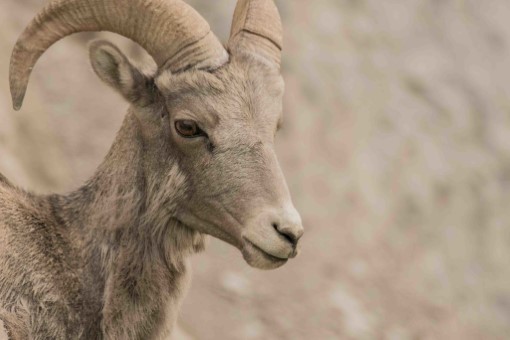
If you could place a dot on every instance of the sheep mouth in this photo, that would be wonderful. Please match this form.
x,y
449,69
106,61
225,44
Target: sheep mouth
x,y
271,257
258,258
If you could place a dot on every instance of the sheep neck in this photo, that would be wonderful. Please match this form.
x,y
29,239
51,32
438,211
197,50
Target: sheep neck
x,y
133,253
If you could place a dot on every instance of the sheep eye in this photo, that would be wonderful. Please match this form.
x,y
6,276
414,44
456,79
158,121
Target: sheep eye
x,y
188,129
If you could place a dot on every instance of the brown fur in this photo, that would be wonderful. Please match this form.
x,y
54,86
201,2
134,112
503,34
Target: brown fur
x,y
95,258
109,260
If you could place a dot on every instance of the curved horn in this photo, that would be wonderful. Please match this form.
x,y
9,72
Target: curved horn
x,y
172,32
257,28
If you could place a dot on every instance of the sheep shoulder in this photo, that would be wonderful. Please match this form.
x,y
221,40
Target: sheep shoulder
x,y
37,264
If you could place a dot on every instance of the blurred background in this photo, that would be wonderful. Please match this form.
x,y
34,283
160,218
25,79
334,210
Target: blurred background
x,y
396,148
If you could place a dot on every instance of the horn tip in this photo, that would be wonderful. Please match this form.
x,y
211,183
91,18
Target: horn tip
x,y
18,80
17,106
17,99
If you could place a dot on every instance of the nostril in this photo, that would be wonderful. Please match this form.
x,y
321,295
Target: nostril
x,y
286,234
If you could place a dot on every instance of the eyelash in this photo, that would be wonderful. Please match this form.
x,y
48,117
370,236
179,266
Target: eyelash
x,y
194,131
198,132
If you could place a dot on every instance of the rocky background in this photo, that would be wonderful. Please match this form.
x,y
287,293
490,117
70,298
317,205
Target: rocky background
x,y
396,148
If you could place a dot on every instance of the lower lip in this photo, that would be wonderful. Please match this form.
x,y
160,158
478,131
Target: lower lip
x,y
271,257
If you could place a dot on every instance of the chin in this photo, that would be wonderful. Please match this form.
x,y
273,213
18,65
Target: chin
x,y
259,259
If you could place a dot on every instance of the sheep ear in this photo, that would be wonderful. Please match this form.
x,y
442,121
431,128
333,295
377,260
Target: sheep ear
x,y
115,69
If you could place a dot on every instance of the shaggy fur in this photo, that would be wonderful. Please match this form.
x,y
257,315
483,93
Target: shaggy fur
x,y
97,258
109,261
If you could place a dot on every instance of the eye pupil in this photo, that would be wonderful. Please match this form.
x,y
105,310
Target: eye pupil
x,y
187,128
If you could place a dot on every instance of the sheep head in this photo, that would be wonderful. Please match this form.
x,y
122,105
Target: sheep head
x,y
212,111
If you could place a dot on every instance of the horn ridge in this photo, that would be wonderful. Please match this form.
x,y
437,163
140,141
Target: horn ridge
x,y
257,29
171,31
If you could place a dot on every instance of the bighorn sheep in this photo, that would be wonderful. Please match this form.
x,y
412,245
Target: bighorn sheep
x,y
194,156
